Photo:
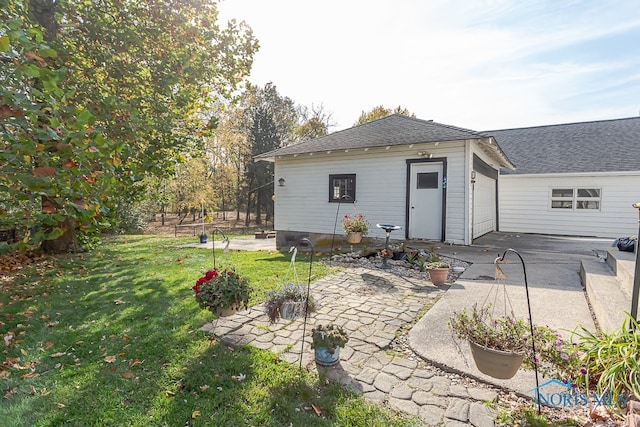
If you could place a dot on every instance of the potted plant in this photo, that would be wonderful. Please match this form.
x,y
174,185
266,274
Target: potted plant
x,y
498,344
355,227
327,341
288,302
400,254
438,272
222,292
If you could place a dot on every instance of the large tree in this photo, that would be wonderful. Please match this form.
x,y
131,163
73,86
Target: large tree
x,y
268,120
96,94
313,123
380,112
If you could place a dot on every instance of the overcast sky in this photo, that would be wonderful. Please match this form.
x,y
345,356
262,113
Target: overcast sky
x,y
481,65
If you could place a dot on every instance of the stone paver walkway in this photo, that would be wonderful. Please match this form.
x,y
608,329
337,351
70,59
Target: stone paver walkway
x,y
372,305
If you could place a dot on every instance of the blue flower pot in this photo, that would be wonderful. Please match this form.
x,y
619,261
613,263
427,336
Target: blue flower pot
x,y
325,358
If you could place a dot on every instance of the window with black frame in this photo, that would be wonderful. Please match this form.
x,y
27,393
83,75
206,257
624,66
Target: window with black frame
x,y
342,188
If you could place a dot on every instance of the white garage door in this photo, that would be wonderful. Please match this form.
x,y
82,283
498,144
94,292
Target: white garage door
x,y
484,205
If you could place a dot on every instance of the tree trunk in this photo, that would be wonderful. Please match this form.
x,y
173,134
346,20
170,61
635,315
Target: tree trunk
x,y
259,207
66,243
44,12
224,206
248,215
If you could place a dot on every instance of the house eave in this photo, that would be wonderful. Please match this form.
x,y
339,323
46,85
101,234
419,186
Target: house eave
x,y
493,150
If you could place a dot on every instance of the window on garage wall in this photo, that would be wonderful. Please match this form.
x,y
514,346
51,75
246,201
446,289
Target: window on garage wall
x,y
575,198
342,188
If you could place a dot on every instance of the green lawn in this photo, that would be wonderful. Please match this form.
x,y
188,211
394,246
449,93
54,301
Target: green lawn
x,y
111,338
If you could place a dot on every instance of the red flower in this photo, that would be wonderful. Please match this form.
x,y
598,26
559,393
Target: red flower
x,y
211,274
196,288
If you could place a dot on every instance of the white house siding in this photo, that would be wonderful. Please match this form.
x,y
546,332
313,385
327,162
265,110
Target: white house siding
x,y
525,204
302,204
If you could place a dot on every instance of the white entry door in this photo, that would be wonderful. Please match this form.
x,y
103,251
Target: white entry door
x,y
425,201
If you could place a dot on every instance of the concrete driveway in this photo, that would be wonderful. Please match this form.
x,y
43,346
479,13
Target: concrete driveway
x,y
557,298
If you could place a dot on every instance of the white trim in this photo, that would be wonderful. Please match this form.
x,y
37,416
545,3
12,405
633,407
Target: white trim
x,y
569,174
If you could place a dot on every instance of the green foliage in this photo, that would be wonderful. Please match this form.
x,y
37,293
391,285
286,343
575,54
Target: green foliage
x,y
329,336
412,257
503,333
557,357
438,264
381,112
222,289
131,218
529,417
355,223
95,97
612,360
267,121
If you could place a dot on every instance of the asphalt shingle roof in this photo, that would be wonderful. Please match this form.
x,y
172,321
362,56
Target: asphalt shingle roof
x,y
388,131
599,146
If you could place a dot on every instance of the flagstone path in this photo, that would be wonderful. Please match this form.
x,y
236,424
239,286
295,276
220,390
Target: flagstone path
x,y
373,306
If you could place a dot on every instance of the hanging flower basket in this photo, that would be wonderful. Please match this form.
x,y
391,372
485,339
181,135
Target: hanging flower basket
x,y
292,309
496,363
288,302
354,237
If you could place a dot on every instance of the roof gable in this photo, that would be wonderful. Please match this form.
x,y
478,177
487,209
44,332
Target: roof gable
x,y
388,131
598,146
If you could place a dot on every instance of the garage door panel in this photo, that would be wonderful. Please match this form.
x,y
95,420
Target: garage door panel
x,y
484,205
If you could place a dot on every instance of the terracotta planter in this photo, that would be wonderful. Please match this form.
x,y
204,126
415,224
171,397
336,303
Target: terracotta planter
x,y
495,363
438,276
325,358
354,237
226,312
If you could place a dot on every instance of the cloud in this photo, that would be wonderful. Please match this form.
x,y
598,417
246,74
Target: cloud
x,y
473,64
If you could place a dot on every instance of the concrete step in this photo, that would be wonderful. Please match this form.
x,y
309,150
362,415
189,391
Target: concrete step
x,y
604,291
623,266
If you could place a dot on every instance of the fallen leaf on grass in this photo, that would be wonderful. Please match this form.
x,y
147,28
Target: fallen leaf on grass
x,y
169,393
119,301
29,375
134,362
48,345
4,374
195,414
204,388
10,392
316,409
110,359
128,374
59,354
61,405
